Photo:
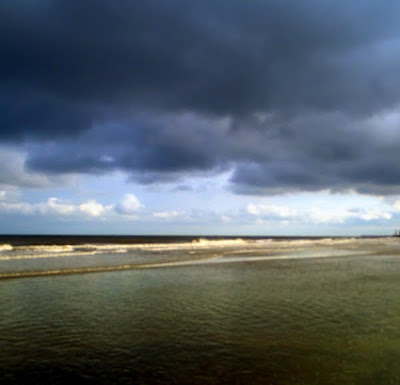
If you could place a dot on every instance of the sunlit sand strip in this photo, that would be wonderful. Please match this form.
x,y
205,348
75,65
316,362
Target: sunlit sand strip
x,y
212,259
101,269
234,259
298,253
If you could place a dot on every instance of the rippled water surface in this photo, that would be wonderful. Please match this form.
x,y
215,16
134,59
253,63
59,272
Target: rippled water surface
x,y
325,314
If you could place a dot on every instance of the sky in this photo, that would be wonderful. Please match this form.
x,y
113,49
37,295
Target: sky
x,y
228,117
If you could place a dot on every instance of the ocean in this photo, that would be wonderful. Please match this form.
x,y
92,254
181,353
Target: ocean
x,y
190,310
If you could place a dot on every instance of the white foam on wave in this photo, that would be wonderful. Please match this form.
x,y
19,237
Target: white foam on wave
x,y
5,247
220,242
56,255
293,243
33,249
9,252
55,251
200,243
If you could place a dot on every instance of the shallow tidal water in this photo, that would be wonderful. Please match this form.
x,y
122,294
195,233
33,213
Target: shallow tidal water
x,y
322,320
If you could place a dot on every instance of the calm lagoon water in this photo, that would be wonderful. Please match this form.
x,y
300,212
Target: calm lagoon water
x,y
283,313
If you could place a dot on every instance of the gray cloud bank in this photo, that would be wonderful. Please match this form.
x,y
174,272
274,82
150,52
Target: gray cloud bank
x,y
294,95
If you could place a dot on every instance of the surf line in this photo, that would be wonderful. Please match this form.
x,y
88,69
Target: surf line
x,y
102,269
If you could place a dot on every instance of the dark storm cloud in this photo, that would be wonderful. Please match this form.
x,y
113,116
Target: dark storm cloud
x,y
225,57
95,86
155,149
32,114
329,151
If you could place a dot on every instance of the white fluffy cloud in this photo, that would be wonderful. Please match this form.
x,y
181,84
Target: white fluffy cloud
x,y
166,214
271,210
129,205
92,208
56,206
370,215
317,214
396,205
19,207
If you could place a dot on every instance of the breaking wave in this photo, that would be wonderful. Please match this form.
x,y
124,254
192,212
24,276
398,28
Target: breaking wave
x,y
54,251
9,252
5,247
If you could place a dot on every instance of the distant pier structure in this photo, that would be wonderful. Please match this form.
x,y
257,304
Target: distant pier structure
x,y
396,233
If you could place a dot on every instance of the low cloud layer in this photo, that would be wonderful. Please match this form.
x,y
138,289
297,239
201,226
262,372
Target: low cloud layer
x,y
269,213
128,206
319,215
292,96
